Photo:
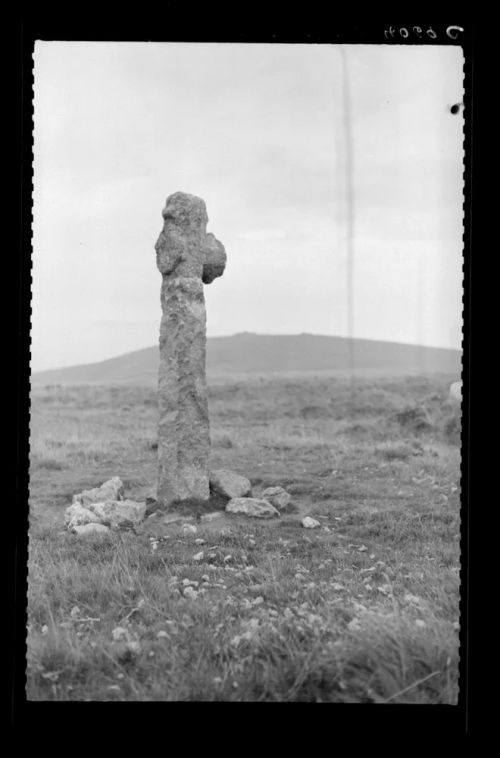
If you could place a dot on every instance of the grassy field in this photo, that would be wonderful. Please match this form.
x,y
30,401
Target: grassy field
x,y
364,609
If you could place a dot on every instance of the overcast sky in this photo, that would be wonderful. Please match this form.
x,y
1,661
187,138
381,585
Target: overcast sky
x,y
257,131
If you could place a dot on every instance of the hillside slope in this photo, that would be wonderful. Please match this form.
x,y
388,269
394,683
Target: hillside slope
x,y
248,353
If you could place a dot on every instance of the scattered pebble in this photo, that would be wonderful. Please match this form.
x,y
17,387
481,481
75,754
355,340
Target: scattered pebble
x,y
420,623
310,523
119,633
198,556
44,629
161,634
75,611
189,529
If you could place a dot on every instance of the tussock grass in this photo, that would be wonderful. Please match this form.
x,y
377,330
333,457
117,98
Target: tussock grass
x,y
364,609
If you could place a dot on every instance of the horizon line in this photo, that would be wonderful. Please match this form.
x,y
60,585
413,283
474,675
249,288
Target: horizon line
x,y
255,334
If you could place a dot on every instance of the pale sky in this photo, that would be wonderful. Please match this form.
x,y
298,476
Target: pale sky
x,y
257,131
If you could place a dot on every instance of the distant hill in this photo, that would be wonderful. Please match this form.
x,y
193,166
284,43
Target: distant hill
x,y
247,353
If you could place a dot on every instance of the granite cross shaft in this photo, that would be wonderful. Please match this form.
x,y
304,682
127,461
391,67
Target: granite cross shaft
x,y
187,258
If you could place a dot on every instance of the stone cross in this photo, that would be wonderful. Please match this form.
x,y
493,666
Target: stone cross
x,y
187,258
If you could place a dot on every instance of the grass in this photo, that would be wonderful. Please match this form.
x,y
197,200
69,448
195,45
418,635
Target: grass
x,y
364,609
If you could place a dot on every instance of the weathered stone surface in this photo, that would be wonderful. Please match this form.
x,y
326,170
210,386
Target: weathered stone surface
x,y
252,506
111,490
85,529
76,515
228,484
310,523
277,496
117,513
186,257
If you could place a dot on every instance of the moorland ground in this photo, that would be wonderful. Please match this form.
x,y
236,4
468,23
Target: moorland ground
x,y
363,609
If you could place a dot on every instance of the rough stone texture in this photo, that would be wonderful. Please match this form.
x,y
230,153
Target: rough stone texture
x,y
251,506
111,490
117,513
310,523
187,257
277,496
77,515
90,529
228,484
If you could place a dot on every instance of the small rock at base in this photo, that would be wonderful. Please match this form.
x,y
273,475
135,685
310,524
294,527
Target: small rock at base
x,y
250,506
189,529
277,496
228,484
90,529
77,515
113,489
310,523
116,513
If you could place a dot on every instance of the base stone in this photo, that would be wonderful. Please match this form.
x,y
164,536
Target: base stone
x,y
251,506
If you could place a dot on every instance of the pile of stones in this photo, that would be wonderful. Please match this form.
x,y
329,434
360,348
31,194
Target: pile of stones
x,y
105,508
238,490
